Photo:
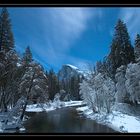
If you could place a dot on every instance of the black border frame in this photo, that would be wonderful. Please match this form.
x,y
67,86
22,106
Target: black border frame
x,y
68,3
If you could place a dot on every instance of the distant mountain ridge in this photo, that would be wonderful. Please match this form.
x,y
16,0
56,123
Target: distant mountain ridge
x,y
68,71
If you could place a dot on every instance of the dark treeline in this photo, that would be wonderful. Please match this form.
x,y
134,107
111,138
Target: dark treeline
x,y
19,76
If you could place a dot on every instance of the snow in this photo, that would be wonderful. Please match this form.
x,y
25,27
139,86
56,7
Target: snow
x,y
73,103
1,127
116,120
85,72
11,125
22,129
52,106
18,64
82,108
73,67
128,123
36,108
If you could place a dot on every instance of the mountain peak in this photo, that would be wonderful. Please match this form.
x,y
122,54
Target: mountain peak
x,y
67,71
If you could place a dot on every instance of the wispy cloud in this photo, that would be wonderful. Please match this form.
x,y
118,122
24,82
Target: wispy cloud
x,y
66,25
52,32
131,17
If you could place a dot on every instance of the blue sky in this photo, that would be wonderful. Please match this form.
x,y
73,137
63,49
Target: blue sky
x,y
76,36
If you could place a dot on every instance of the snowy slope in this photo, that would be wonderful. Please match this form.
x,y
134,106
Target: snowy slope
x,y
116,120
73,67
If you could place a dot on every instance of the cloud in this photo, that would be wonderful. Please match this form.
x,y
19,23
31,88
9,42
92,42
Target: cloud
x,y
51,32
66,26
131,17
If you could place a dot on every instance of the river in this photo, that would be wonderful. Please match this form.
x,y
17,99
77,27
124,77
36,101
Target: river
x,y
64,120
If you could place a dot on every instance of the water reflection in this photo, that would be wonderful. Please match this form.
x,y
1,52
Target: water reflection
x,y
65,120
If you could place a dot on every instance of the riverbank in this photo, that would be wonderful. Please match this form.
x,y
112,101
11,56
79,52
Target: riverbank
x,y
52,106
116,120
64,120
40,108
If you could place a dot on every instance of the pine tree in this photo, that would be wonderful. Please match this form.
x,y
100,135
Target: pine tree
x,y
72,86
137,47
8,59
27,56
77,87
122,52
6,34
53,84
99,66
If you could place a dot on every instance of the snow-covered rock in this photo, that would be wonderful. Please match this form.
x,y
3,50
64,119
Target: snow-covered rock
x,y
67,71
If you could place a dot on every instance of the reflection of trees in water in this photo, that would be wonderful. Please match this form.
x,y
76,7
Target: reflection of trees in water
x,y
65,120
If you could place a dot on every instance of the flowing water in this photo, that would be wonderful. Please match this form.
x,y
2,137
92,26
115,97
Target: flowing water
x,y
64,120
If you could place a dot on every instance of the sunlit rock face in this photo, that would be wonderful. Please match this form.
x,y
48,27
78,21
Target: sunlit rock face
x,y
69,78
67,72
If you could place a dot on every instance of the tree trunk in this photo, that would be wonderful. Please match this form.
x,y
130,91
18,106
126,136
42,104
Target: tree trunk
x,y
5,107
28,93
23,112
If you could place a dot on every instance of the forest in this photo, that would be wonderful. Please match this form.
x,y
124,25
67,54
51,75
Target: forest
x,y
113,84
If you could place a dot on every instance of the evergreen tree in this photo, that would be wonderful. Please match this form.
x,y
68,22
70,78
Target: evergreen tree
x,y
106,67
53,84
47,74
72,86
27,56
6,34
77,87
122,52
99,66
8,60
137,47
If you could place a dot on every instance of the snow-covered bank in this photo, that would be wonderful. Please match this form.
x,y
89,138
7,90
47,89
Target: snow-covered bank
x,y
39,108
12,126
52,106
116,120
1,128
73,103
